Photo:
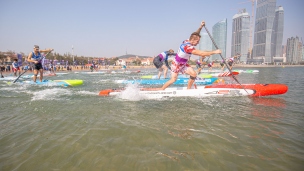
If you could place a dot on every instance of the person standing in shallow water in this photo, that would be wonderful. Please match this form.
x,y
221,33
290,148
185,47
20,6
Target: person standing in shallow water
x,y
230,62
210,65
15,67
159,61
222,63
36,58
180,62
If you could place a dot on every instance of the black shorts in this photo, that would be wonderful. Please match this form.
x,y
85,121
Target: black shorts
x,y
230,63
157,62
37,66
198,66
222,64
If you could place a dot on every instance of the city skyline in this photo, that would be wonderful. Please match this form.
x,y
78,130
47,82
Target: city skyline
x,y
108,28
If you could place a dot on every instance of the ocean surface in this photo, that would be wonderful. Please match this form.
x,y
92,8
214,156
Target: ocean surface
x,y
57,128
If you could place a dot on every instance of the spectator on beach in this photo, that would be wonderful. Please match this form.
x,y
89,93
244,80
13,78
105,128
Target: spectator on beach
x,y
2,68
8,68
15,67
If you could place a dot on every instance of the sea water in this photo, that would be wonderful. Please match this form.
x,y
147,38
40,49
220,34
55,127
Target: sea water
x,y
58,128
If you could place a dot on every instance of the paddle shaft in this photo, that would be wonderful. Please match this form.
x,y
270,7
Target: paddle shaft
x,y
28,69
223,59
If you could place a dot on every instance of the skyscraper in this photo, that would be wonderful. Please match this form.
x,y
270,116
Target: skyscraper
x,y
302,52
265,15
293,50
219,32
277,33
240,35
205,42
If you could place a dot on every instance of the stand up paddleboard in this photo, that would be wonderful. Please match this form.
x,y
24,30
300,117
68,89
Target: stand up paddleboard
x,y
259,89
199,81
206,91
65,83
179,76
223,74
247,71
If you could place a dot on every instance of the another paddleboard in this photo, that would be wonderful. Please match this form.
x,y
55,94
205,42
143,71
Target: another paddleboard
x,y
223,74
179,76
247,71
201,81
94,72
65,83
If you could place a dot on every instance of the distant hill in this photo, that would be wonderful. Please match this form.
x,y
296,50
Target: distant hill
x,y
130,55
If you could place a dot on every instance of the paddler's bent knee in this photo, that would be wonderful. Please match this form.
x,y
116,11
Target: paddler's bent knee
x,y
192,78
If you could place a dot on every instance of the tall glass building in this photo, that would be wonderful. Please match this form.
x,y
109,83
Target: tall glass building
x,y
302,52
293,50
265,15
219,32
240,35
205,43
277,33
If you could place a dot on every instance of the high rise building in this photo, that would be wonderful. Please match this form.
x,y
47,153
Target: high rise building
x,y
277,33
294,50
205,42
240,35
265,15
219,34
302,52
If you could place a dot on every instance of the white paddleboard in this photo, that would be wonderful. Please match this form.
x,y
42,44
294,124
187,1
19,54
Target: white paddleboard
x,y
201,91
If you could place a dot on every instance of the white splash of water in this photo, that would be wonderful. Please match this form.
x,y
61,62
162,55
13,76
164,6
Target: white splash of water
x,y
131,93
86,93
50,94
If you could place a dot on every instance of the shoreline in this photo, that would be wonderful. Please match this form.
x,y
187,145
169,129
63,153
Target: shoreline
x,y
133,68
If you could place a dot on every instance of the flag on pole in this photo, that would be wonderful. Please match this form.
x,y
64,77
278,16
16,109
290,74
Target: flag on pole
x,y
19,57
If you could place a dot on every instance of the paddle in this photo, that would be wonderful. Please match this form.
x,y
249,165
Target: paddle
x,y
223,59
28,69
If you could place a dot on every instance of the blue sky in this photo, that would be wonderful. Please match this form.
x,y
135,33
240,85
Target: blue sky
x,y
99,28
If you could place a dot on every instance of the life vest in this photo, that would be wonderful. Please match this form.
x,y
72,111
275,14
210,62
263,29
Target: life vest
x,y
36,57
184,52
15,65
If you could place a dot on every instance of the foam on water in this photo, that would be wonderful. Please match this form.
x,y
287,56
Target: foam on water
x,y
86,93
50,94
132,93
